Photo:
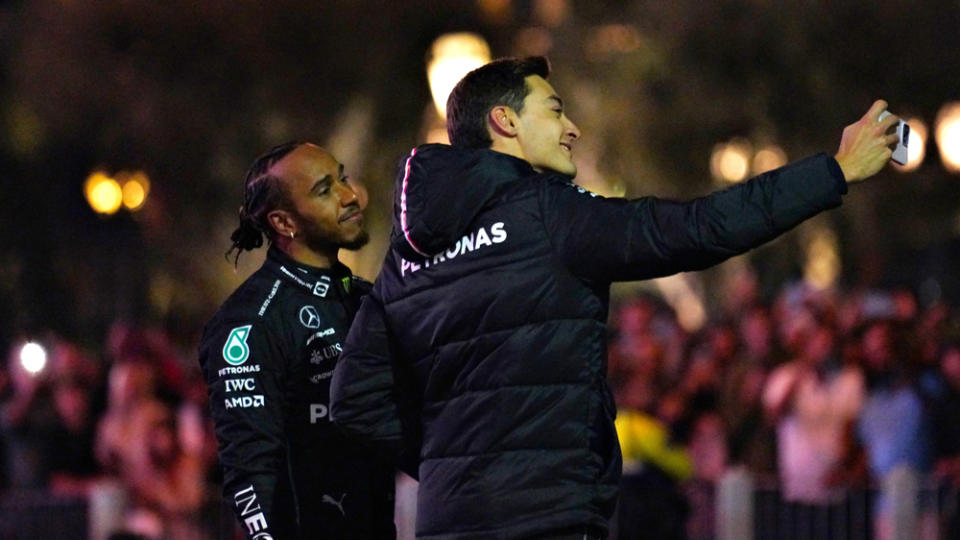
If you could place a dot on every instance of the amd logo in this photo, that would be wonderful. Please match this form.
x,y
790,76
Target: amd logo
x,y
244,402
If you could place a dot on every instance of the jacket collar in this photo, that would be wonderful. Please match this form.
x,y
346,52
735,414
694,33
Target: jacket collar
x,y
317,280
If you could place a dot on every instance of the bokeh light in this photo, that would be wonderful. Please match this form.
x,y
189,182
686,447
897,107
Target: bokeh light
x,y
822,266
135,190
607,40
948,135
103,193
768,158
33,357
452,57
916,145
730,161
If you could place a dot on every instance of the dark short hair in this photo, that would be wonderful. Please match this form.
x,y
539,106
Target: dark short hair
x,y
262,193
501,82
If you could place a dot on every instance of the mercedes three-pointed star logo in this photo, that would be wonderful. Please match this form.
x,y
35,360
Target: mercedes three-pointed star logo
x,y
309,317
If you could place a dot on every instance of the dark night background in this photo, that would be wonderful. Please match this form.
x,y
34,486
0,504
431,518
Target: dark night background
x,y
192,92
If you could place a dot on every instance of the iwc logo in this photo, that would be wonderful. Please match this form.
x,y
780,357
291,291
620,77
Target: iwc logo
x,y
235,350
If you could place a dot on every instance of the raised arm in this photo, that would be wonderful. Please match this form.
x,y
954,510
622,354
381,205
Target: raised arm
x,y
618,240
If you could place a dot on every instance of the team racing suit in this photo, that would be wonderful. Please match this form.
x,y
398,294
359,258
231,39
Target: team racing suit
x,y
268,356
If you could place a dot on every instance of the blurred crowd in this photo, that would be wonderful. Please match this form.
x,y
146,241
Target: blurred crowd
x,y
133,420
817,391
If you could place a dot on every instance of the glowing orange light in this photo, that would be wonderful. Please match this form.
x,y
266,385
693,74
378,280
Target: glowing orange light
x,y
135,190
730,162
769,158
103,193
452,57
948,135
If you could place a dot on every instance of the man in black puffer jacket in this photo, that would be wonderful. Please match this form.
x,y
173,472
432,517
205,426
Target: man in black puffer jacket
x,y
482,347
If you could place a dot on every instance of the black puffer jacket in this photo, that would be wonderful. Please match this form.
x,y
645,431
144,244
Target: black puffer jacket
x,y
491,311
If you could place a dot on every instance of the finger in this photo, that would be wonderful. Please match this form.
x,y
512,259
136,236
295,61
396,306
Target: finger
x,y
892,139
889,121
878,107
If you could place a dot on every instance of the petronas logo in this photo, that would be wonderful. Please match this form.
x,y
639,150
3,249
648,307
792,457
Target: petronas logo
x,y
235,350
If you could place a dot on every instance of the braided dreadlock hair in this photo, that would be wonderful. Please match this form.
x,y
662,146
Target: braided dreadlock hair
x,y
262,193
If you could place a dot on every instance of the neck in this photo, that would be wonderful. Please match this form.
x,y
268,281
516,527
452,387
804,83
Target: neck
x,y
510,147
301,253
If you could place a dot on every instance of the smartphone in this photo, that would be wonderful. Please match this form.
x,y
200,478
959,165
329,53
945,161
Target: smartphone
x,y
903,130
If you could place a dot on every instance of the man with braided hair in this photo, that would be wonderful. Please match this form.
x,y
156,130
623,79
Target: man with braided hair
x,y
269,352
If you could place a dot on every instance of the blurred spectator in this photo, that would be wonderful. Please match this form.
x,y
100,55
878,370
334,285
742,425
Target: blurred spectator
x,y
651,502
946,423
49,422
164,479
813,401
892,426
126,342
155,438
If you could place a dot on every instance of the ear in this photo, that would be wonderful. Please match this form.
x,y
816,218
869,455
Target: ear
x,y
503,121
282,222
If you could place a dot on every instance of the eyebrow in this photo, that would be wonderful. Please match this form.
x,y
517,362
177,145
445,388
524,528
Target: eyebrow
x,y
326,179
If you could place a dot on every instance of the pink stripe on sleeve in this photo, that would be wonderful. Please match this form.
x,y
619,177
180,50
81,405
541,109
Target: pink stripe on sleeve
x,y
403,205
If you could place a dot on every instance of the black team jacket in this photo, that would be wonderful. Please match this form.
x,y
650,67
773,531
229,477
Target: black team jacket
x,y
268,357
482,347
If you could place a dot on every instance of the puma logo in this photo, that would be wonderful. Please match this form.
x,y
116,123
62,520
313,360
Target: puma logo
x,y
339,504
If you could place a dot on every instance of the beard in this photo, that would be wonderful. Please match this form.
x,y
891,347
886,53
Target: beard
x,y
320,239
358,241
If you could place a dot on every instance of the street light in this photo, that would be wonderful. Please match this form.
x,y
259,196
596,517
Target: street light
x,y
451,57
135,190
948,135
730,161
103,193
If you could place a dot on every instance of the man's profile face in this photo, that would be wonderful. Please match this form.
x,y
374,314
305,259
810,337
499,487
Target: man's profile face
x,y
323,203
544,132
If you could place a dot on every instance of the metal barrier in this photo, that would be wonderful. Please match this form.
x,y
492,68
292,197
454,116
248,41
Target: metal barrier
x,y
914,508
41,515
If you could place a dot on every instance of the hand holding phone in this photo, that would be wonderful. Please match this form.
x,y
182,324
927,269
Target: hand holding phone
x,y
903,131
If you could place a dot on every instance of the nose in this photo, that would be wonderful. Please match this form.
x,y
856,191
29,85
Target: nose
x,y
572,130
348,195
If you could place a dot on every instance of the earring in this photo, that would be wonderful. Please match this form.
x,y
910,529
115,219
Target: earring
x,y
291,234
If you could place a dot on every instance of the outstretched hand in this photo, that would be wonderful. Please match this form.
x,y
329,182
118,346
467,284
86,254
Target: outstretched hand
x,y
865,146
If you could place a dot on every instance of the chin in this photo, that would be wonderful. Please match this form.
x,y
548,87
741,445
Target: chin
x,y
356,242
566,170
